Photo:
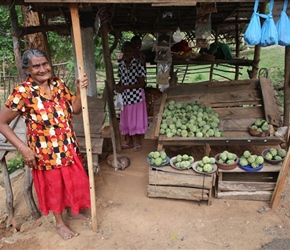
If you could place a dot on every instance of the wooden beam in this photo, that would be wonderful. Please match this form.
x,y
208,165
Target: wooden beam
x,y
110,84
280,182
80,64
131,1
286,119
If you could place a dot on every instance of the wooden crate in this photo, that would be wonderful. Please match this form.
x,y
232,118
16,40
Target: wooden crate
x,y
241,185
166,182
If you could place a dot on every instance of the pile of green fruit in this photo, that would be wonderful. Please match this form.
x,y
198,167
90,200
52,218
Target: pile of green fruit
x,y
260,125
183,161
227,157
205,164
157,158
189,120
251,160
275,154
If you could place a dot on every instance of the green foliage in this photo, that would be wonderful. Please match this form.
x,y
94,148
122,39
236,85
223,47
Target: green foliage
x,y
6,45
15,163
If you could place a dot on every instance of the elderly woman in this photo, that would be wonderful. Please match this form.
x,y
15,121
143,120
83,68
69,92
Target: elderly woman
x,y
52,150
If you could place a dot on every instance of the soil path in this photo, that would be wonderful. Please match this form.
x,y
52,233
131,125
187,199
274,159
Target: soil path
x,y
128,219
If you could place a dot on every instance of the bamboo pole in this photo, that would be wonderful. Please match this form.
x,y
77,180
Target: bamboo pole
x,y
80,65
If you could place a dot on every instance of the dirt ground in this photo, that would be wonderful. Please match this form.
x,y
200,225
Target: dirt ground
x,y
128,219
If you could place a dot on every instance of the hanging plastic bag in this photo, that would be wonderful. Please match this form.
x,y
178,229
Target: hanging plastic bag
x,y
119,101
252,35
282,26
269,35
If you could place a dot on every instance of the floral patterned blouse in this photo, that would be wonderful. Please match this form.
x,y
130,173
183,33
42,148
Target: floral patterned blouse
x,y
49,121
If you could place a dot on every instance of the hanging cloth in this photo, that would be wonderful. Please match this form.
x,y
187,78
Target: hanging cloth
x,y
269,34
252,35
283,27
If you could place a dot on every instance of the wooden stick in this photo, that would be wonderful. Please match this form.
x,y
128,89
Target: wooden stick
x,y
280,182
80,65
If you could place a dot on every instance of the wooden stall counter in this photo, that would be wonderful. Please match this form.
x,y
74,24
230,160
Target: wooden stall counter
x,y
238,103
166,182
241,185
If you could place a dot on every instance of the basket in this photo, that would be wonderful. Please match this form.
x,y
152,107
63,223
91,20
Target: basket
x,y
257,133
273,162
225,166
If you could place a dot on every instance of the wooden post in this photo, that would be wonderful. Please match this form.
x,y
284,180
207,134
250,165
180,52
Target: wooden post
x,y
280,182
286,87
8,189
257,52
80,65
110,83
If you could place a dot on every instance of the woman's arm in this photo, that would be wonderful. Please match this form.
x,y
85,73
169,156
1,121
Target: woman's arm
x,y
6,116
141,84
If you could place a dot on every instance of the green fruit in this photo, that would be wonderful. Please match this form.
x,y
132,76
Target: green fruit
x,y
281,152
246,154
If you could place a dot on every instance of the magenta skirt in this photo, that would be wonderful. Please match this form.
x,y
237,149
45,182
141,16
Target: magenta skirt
x,y
64,187
134,118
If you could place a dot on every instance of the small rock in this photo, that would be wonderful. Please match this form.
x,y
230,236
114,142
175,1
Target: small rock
x,y
29,225
17,223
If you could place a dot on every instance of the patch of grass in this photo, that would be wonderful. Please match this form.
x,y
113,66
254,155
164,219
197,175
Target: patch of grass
x,y
14,163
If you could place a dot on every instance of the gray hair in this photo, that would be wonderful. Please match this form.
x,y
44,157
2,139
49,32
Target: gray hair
x,y
28,54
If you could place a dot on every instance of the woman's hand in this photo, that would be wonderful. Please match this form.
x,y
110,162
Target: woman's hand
x,y
82,83
120,88
29,157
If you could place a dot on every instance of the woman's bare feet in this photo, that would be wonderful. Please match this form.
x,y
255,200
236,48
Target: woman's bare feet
x,y
83,215
65,232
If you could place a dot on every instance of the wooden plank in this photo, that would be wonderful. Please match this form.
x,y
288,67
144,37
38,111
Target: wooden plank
x,y
240,113
245,186
247,176
256,196
243,140
226,99
126,1
159,116
183,193
272,113
266,168
280,182
80,68
97,145
183,180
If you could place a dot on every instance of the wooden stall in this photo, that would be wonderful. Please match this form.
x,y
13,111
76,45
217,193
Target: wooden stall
x,y
238,103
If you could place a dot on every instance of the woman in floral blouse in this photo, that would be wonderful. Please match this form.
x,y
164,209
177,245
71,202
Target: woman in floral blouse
x,y
52,150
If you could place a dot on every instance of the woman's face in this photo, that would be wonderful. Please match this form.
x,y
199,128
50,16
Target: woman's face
x,y
138,44
128,53
39,69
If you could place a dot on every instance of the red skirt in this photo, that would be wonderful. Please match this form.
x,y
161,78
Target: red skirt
x,y
64,187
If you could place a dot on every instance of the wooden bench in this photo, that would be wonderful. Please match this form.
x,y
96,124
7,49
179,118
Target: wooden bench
x,y
96,108
238,103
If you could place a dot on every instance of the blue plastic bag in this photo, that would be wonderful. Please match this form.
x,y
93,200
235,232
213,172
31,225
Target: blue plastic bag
x,y
269,35
283,27
252,35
